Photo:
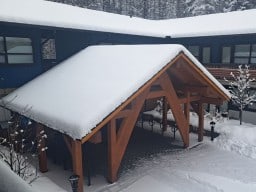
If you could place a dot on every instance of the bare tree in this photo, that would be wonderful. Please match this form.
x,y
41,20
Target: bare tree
x,y
18,143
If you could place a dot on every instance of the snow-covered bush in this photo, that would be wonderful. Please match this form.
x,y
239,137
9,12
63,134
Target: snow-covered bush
x,y
239,88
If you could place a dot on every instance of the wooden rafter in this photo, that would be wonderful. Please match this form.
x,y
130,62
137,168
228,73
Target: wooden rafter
x,y
177,111
205,78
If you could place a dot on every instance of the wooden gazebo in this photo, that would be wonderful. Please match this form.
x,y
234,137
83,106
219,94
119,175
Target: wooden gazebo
x,y
179,78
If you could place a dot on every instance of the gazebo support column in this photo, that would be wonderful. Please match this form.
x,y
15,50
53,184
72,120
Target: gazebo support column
x,y
112,172
118,140
164,113
177,111
200,121
187,110
77,162
42,157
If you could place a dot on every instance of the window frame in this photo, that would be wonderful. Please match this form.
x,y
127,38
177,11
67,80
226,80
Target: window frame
x,y
6,54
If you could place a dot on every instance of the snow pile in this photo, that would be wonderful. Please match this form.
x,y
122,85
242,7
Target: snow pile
x,y
238,138
11,182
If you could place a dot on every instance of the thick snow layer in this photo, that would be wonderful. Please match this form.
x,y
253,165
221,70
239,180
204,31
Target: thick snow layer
x,y
39,12
238,138
80,92
11,182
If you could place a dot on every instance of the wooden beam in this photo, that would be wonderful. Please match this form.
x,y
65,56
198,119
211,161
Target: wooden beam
x,y
183,100
209,100
77,161
123,113
42,157
155,94
177,111
200,121
192,88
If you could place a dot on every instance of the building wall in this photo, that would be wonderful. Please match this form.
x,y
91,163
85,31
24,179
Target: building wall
x,y
15,75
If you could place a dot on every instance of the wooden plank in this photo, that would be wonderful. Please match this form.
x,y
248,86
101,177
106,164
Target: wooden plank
x,y
77,161
112,164
155,94
200,121
177,111
136,94
42,157
123,113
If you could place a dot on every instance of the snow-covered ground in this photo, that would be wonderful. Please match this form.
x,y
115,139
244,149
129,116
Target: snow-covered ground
x,y
223,165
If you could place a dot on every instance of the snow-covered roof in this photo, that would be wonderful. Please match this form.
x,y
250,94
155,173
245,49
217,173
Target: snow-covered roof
x,y
45,13
80,92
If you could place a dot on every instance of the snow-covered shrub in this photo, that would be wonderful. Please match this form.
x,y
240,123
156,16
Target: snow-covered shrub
x,y
239,88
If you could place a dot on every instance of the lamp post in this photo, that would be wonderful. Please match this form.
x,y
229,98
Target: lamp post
x,y
212,123
73,179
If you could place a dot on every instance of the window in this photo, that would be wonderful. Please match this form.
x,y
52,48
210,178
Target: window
x,y
242,54
16,50
226,55
194,50
253,54
48,49
206,56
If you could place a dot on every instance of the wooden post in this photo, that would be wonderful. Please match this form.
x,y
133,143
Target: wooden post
x,y
200,122
77,162
164,115
187,110
112,172
42,157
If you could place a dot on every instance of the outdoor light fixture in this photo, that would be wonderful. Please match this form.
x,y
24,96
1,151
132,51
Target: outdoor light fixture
x,y
73,179
212,123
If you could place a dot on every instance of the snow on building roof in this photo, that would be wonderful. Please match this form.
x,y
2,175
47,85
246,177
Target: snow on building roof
x,y
80,92
45,13
10,181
